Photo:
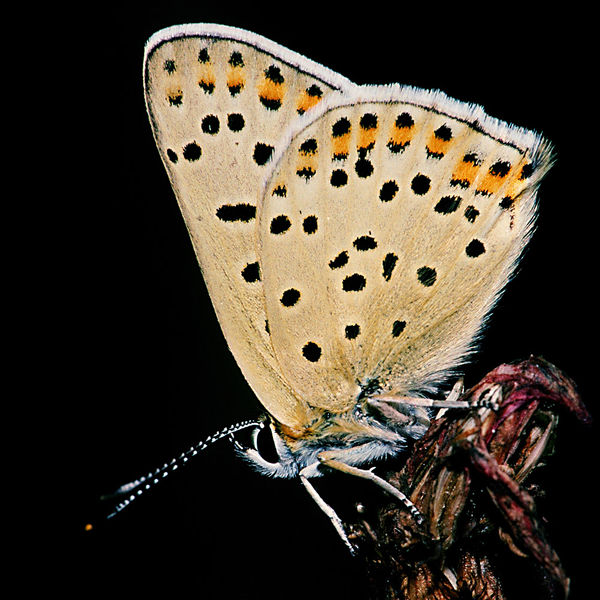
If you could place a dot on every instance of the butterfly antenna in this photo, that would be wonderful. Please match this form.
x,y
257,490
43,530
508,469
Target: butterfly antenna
x,y
136,488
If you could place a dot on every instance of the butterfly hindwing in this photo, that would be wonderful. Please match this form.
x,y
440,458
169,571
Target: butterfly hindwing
x,y
403,217
219,99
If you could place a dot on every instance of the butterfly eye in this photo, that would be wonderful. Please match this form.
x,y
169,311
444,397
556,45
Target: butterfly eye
x,y
265,446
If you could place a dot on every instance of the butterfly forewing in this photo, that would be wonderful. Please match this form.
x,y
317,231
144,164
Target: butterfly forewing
x,y
403,217
219,99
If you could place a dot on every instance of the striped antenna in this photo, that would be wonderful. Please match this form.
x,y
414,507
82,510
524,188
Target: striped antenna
x,y
136,488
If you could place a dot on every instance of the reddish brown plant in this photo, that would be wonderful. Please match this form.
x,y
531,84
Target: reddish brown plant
x,y
468,477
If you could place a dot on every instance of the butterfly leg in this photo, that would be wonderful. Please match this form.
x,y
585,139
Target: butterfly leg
x,y
332,459
333,517
489,399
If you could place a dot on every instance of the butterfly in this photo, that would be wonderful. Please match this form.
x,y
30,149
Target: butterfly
x,y
353,239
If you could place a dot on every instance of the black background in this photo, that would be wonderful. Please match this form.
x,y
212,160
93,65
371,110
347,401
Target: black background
x,y
146,370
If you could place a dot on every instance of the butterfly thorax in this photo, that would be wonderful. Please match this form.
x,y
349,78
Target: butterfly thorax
x,y
357,437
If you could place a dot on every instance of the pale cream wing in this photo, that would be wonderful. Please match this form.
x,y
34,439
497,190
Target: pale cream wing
x,y
219,99
388,228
